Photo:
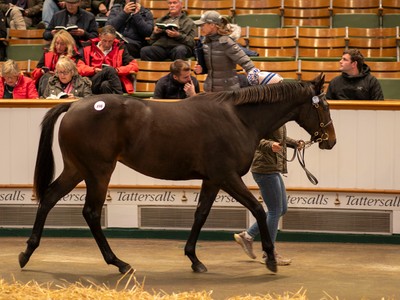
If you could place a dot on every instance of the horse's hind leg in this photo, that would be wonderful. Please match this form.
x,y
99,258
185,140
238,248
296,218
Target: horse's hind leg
x,y
238,190
206,199
58,189
95,197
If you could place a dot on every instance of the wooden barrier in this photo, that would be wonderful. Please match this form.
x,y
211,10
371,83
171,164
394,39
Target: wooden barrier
x,y
360,174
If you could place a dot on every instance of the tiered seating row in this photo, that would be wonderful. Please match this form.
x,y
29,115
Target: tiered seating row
x,y
388,73
286,13
306,43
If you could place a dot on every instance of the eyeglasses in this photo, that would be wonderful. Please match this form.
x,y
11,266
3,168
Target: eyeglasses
x,y
63,72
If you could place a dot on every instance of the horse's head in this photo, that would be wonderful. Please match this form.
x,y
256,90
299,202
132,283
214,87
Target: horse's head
x,y
318,119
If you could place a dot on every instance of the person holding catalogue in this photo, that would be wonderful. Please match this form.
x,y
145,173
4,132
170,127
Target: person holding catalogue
x,y
14,85
67,83
171,43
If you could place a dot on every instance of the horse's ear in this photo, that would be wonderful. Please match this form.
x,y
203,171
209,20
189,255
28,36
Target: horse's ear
x,y
319,82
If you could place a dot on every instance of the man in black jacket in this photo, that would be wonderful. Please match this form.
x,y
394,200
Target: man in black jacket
x,y
73,15
356,81
134,22
178,84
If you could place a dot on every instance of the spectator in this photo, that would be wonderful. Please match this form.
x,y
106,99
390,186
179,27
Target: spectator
x,y
32,12
3,35
134,22
73,15
63,44
221,54
102,8
50,7
171,43
13,14
14,85
356,81
67,83
110,63
178,84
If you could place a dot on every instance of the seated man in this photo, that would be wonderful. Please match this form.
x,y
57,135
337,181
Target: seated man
x,y
172,42
73,15
356,81
110,64
50,7
178,84
134,22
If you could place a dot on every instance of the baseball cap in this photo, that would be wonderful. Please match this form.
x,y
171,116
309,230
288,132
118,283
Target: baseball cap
x,y
210,16
72,1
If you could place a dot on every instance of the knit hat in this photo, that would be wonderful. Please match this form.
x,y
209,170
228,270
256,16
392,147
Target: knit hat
x,y
255,77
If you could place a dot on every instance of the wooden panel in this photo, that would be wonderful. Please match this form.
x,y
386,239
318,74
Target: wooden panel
x,y
26,37
375,47
198,7
321,32
390,7
355,6
271,32
258,7
317,48
307,13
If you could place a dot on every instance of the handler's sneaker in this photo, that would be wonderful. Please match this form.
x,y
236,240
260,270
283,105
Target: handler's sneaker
x,y
246,243
280,260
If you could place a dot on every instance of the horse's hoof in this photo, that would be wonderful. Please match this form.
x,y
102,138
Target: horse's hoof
x,y
126,269
199,268
23,259
271,265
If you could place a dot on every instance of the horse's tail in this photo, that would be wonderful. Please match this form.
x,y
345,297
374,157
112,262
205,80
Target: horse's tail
x,y
44,168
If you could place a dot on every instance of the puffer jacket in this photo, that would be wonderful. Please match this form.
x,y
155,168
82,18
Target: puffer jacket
x,y
222,54
24,89
266,161
364,86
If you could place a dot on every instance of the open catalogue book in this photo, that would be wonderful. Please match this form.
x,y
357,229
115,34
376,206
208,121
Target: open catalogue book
x,y
170,26
67,28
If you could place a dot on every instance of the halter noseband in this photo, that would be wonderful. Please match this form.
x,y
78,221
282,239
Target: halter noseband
x,y
320,135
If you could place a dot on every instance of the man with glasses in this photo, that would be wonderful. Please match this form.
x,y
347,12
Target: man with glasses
x,y
73,15
174,42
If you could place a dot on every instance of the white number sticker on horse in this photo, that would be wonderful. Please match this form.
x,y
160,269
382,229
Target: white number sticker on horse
x,y
99,105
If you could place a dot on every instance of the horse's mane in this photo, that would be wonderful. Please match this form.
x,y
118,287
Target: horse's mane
x,y
266,93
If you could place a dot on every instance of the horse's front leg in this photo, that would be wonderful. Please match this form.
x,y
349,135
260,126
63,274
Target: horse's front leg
x,y
95,197
238,190
207,196
58,189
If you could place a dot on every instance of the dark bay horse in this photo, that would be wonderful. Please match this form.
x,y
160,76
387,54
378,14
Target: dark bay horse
x,y
211,136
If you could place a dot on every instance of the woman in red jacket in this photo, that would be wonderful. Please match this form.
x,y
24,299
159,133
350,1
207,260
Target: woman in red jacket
x,y
14,85
63,44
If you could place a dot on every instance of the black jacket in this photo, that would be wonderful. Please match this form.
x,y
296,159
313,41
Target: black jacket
x,y
168,88
85,21
361,87
135,28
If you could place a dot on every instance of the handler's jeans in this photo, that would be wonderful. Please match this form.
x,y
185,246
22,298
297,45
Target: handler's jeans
x,y
273,192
